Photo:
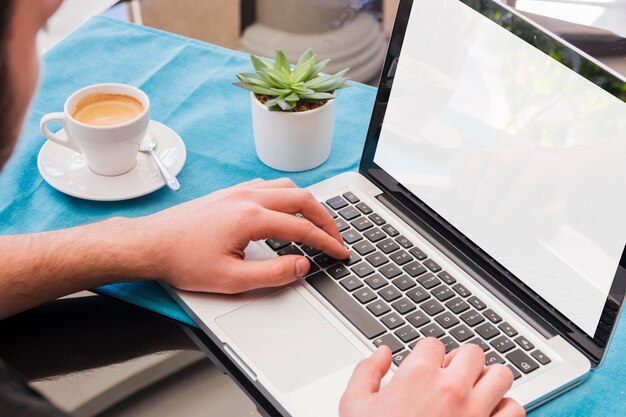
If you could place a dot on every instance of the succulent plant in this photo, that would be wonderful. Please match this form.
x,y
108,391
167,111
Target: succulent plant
x,y
287,86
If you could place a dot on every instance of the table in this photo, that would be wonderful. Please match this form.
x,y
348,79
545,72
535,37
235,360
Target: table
x,y
189,85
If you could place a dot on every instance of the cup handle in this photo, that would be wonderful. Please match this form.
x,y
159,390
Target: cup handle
x,y
68,142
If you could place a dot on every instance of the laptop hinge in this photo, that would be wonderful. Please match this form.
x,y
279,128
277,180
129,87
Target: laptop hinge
x,y
473,270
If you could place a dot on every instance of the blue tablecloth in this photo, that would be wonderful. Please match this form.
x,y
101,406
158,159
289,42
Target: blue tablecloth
x,y
189,85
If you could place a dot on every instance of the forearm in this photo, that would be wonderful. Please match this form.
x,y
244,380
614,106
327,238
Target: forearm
x,y
40,267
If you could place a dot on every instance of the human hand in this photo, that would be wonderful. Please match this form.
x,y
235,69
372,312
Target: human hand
x,y
199,245
430,383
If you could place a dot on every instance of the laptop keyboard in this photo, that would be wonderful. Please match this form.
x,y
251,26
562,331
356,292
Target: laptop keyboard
x,y
395,294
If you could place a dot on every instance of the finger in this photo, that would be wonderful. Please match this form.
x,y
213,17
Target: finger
x,y
468,363
368,374
489,390
449,357
295,229
508,407
279,183
298,200
248,183
275,272
428,354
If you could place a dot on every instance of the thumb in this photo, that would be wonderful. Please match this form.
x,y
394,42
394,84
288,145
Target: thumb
x,y
271,272
368,374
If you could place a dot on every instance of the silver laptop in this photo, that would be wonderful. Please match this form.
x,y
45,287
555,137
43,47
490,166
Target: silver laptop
x,y
488,209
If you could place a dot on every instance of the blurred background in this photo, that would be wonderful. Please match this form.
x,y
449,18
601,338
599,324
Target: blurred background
x,y
353,33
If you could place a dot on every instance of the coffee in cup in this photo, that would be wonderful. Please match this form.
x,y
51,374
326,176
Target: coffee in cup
x,y
104,122
104,109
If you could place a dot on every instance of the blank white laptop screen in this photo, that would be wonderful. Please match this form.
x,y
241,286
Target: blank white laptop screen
x,y
521,154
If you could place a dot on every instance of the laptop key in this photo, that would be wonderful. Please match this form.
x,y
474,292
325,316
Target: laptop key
x,y
390,230
338,271
462,333
417,252
350,197
432,265
447,320
432,330
492,316
407,333
376,281
363,248
413,343
403,305
445,276
398,358
428,281
349,213
449,343
310,250
377,259
312,267
487,331
344,303
389,293
376,219
404,283
414,269
502,344
362,224
524,343
391,341
351,236
401,257
378,308
390,271
387,246
341,225
276,244
324,260
363,208
480,343
418,318
432,307
351,283
493,358
507,329
392,321
289,250
457,305
476,302
442,293
353,259
374,235
362,269
516,374
472,318
522,361
336,203
461,290
541,357
418,294
404,242
364,295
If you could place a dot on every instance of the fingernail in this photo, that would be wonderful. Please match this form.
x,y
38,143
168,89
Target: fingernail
x,y
301,267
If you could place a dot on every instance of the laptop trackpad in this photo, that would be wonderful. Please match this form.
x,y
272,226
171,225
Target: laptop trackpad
x,y
288,340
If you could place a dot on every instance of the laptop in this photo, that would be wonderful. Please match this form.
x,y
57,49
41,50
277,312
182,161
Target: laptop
x,y
488,209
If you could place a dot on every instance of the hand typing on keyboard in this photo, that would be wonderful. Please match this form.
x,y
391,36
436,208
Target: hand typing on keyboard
x,y
200,245
430,383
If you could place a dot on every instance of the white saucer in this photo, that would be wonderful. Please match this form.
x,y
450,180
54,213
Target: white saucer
x,y
67,171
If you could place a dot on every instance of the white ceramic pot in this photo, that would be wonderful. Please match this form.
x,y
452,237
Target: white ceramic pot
x,y
293,141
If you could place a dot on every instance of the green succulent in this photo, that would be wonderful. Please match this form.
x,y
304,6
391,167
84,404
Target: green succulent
x,y
288,86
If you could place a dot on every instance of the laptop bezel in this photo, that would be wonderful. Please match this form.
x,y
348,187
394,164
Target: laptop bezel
x,y
594,348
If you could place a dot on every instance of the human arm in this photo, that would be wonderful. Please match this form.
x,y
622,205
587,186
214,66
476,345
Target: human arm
x,y
430,383
196,246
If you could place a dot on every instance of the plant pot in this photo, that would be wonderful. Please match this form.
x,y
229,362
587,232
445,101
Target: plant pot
x,y
293,141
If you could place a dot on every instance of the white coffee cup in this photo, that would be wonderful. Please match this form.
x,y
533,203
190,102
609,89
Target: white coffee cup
x,y
109,150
